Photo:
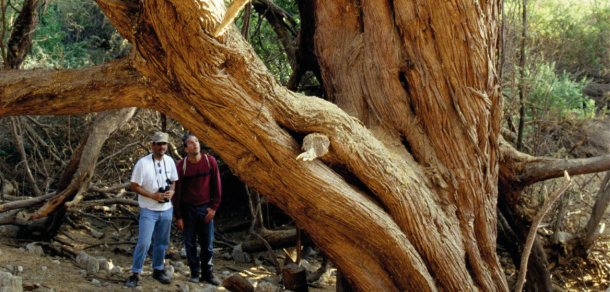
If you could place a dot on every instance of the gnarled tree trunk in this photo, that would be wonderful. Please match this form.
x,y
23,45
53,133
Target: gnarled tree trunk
x,y
406,197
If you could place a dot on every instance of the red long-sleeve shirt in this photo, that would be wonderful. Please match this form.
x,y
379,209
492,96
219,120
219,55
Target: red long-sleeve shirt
x,y
198,184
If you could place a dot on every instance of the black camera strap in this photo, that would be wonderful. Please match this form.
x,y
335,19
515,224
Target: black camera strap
x,y
155,167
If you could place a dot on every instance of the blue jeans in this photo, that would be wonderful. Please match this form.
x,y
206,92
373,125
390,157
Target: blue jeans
x,y
195,227
157,224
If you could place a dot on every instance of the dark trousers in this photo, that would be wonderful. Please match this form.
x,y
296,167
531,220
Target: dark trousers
x,y
196,228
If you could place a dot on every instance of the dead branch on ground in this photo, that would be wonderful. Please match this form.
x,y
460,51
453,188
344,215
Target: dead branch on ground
x,y
532,233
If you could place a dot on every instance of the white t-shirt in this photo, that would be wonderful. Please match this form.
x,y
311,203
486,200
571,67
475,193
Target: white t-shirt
x,y
146,174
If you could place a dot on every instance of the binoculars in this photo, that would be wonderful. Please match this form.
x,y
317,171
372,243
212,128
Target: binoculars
x,y
165,189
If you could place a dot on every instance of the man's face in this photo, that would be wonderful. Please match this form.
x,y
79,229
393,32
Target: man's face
x,y
192,145
159,148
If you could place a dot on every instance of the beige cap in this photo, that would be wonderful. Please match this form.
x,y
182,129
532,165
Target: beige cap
x,y
160,137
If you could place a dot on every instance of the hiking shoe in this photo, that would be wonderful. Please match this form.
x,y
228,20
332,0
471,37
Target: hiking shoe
x,y
132,282
209,277
194,277
160,276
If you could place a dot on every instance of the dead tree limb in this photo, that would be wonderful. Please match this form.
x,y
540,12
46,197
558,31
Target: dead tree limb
x,y
599,209
256,213
104,189
25,203
110,202
16,131
534,228
117,152
82,165
52,152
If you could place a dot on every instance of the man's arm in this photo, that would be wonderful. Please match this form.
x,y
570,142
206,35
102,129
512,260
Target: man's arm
x,y
176,199
141,191
215,192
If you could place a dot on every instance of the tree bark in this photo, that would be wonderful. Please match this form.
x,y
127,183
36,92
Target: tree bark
x,y
20,42
599,209
408,188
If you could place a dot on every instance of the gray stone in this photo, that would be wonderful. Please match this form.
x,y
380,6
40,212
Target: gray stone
x,y
308,266
183,253
267,287
179,264
270,280
8,231
209,288
83,273
87,262
10,283
105,265
35,249
184,288
19,270
96,283
169,271
10,268
116,270
44,268
227,256
239,256
55,262
96,233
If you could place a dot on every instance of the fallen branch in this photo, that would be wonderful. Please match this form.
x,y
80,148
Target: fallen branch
x,y
532,233
110,202
99,219
25,203
105,279
110,243
104,189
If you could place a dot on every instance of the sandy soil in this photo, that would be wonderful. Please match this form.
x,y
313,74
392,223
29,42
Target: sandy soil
x,y
44,272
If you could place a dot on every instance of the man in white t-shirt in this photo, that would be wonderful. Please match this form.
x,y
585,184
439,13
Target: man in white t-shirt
x,y
153,178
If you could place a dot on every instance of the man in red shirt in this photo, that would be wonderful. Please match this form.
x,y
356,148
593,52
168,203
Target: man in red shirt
x,y
195,202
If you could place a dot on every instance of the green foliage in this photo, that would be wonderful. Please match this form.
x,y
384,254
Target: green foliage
x,y
573,33
266,43
552,96
557,94
73,34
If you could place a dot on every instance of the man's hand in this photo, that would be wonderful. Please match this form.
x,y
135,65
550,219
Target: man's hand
x,y
208,218
180,224
160,197
169,194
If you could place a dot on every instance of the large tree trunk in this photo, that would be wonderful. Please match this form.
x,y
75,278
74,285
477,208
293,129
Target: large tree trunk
x,y
421,209
406,197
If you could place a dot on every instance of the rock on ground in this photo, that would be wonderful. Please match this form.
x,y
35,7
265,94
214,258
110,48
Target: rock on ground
x,y
35,249
267,287
104,264
87,262
240,256
10,283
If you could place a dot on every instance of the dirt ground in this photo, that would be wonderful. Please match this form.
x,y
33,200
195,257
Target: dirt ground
x,y
45,272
